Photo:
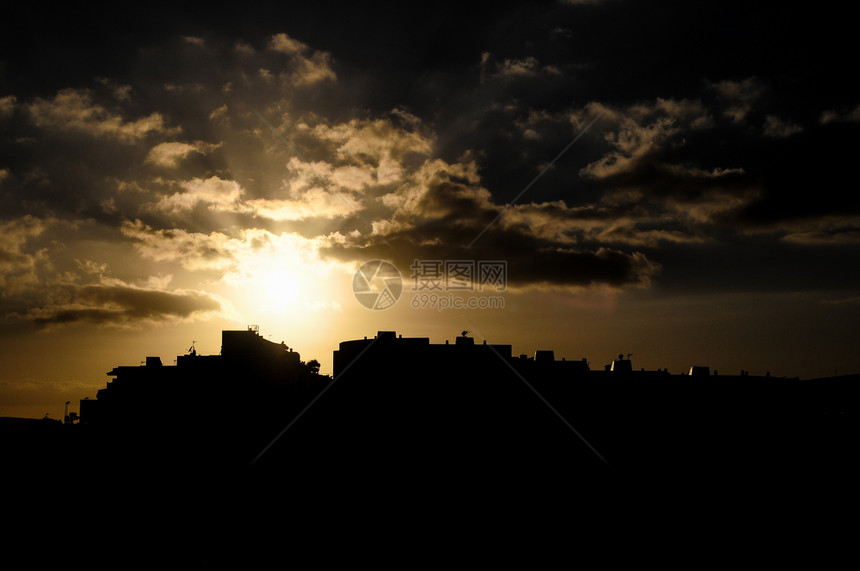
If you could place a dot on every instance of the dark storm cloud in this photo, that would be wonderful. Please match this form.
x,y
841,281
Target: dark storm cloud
x,y
64,154
123,305
449,217
530,263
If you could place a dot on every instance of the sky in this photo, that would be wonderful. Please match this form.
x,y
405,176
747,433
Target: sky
x,y
669,180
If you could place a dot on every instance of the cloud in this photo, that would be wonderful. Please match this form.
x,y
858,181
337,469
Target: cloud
x,y
215,193
820,237
833,230
7,106
653,191
121,92
690,171
312,70
285,44
738,97
308,66
514,68
712,207
426,180
231,258
14,233
170,154
119,304
193,250
531,264
522,67
16,264
75,110
654,178
313,203
194,41
52,286
304,176
640,134
633,142
376,140
840,116
598,225
443,209
440,190
363,161
777,128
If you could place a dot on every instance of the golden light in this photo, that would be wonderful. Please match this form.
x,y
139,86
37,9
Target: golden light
x,y
272,287
280,288
280,273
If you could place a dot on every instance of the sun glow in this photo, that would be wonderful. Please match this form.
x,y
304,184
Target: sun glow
x,y
280,288
270,286
281,274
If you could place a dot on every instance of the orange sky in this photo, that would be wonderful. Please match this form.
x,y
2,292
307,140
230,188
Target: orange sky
x,y
781,335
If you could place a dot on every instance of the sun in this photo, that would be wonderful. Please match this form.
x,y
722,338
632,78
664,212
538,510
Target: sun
x,y
283,275
278,288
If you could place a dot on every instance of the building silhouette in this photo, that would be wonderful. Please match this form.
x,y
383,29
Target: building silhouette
x,y
461,435
207,409
475,405
404,405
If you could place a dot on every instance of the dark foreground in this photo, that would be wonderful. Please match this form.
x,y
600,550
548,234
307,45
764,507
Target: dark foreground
x,y
489,466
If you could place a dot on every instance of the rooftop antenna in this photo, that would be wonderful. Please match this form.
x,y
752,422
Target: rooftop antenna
x,y
629,355
464,333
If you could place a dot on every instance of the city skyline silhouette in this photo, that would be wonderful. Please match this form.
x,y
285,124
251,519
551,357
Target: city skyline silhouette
x,y
456,399
409,427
